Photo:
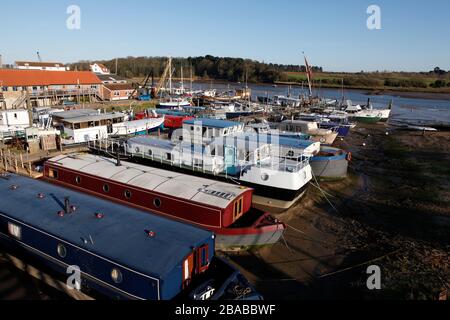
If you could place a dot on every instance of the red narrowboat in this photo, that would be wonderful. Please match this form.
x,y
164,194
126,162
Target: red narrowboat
x,y
220,207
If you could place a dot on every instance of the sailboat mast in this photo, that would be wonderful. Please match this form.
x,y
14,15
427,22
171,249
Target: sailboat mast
x,y
170,75
182,80
191,76
309,75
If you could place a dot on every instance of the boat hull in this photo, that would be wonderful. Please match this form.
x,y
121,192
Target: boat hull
x,y
342,131
334,166
366,119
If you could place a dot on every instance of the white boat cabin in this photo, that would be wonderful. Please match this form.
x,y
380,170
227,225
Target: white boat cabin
x,y
204,130
92,127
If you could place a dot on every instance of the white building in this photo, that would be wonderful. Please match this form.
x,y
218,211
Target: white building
x,y
14,118
45,66
99,68
13,122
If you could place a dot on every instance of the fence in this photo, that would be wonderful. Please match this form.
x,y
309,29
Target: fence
x,y
16,163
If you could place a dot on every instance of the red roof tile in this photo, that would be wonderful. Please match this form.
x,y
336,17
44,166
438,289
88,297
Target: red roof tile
x,y
19,78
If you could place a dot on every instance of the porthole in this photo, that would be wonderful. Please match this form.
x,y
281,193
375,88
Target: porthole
x,y
106,188
157,203
150,152
127,194
137,150
62,252
265,177
78,179
116,276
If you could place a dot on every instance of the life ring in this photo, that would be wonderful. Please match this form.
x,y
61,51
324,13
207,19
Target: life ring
x,y
349,156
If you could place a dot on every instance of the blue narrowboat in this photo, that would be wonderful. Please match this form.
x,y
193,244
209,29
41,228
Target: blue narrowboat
x,y
122,253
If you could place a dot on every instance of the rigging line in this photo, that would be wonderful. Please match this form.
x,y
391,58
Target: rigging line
x,y
324,194
286,244
359,265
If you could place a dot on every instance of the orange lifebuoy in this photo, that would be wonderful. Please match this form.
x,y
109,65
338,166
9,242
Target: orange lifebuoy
x,y
349,156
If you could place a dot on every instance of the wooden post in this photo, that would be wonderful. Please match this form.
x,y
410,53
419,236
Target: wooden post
x,y
29,168
21,161
16,166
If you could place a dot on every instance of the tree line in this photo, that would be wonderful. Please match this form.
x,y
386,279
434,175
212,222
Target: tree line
x,y
206,67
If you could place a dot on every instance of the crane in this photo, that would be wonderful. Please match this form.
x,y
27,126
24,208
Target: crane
x,y
167,73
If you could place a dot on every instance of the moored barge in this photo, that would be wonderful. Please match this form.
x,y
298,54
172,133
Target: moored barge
x,y
223,208
120,252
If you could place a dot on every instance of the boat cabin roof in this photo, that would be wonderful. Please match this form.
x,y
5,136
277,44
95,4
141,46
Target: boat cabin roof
x,y
183,186
213,123
97,117
120,236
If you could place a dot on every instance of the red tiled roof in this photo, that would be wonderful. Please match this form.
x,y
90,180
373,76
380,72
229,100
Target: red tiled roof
x,y
20,78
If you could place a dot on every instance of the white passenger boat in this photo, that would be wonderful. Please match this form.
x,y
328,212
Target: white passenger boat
x,y
278,182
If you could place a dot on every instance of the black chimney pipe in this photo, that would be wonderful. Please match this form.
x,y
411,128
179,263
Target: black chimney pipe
x,y
118,164
67,205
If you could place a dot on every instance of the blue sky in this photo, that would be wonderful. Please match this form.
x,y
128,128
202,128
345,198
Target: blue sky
x,y
415,35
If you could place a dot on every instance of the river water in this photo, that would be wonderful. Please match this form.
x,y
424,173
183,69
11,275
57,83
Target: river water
x,y
403,108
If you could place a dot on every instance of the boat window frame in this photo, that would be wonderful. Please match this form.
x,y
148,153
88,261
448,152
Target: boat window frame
x,y
203,258
128,194
116,279
61,250
157,203
53,173
15,231
238,208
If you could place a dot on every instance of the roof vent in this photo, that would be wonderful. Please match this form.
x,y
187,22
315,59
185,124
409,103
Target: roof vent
x,y
150,234
218,194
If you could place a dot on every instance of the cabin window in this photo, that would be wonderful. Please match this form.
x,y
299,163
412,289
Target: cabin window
x,y
62,252
290,153
15,230
192,128
169,156
106,188
78,179
198,163
137,150
238,208
203,259
150,152
52,173
127,194
116,276
157,203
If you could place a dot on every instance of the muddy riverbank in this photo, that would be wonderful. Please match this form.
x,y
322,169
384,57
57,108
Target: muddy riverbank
x,y
393,211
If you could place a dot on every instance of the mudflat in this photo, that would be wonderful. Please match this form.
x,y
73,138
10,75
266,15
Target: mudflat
x,y
392,211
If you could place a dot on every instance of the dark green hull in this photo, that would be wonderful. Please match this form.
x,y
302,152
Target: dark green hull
x,y
367,119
